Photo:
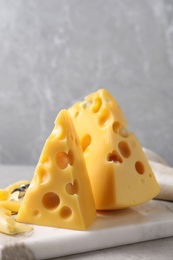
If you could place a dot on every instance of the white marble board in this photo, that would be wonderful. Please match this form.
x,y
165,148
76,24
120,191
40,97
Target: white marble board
x,y
149,221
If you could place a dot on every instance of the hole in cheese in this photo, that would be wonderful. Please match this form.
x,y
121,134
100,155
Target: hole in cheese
x,y
107,100
34,182
119,129
90,102
139,167
114,157
50,200
116,126
103,117
44,159
84,105
124,149
63,159
71,157
72,188
58,132
42,174
97,103
123,132
36,213
76,114
65,212
85,142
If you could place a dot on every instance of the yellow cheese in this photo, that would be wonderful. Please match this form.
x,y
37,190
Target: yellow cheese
x,y
9,226
6,193
60,192
11,205
119,172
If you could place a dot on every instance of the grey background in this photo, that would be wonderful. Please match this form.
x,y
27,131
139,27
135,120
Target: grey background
x,y
53,53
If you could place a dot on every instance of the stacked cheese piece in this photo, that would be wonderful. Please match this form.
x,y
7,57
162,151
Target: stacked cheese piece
x,y
89,162
119,172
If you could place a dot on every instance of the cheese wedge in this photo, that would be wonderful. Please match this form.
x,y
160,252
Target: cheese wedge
x,y
60,192
119,172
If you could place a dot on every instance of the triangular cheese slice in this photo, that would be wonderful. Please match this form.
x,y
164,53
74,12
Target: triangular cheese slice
x,y
119,172
60,192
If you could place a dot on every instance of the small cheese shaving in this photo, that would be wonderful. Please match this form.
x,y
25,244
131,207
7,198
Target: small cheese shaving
x,y
10,204
9,226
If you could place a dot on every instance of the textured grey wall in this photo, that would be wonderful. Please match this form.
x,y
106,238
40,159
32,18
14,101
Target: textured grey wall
x,y
53,53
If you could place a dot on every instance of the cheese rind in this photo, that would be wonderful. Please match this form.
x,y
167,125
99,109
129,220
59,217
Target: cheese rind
x,y
60,192
119,172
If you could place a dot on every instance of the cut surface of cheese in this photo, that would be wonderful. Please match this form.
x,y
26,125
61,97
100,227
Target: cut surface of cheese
x,y
119,172
60,193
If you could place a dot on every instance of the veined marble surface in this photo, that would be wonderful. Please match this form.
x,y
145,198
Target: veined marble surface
x,y
114,234
151,220
53,53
